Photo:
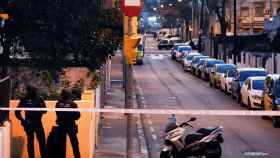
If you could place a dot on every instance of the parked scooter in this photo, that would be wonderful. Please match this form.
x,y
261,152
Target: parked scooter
x,y
178,143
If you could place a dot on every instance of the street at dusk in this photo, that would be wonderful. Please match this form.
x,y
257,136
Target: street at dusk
x,y
140,79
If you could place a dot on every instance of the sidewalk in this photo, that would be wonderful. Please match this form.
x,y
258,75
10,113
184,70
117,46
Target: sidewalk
x,y
112,132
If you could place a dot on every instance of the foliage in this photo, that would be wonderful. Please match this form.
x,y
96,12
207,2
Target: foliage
x,y
46,79
59,33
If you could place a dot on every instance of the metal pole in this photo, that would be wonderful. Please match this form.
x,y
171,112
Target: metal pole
x,y
224,31
234,33
128,93
201,26
129,105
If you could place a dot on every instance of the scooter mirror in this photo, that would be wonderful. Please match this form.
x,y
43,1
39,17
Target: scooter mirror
x,y
192,119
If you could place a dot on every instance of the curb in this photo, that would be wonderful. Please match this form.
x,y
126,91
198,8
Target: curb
x,y
139,128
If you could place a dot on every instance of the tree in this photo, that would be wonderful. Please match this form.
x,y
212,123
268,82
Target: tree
x,y
64,32
219,7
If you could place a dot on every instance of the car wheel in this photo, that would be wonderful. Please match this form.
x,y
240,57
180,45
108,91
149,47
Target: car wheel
x,y
226,90
276,122
238,98
210,84
249,106
232,95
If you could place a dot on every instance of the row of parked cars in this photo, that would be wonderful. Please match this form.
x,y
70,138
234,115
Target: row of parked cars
x,y
253,88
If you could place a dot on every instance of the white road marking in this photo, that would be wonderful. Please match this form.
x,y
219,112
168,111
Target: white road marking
x,y
152,129
154,137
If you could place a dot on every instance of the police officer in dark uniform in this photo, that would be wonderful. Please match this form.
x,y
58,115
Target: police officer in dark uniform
x,y
66,120
31,121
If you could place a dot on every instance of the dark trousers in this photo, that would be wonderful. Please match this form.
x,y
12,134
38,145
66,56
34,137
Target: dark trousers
x,y
72,131
31,129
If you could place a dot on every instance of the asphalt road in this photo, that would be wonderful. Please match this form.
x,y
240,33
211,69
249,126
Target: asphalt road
x,y
166,86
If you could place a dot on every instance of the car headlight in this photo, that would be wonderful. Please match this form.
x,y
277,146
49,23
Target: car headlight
x,y
277,102
256,97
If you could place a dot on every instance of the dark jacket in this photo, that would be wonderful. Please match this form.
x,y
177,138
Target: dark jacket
x,y
66,118
32,116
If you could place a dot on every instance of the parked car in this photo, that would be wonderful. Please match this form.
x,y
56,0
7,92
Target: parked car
x,y
219,71
199,68
207,67
182,51
175,48
252,92
240,75
187,62
164,44
195,61
271,96
226,80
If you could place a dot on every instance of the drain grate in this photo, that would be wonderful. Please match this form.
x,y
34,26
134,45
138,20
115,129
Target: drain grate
x,y
255,154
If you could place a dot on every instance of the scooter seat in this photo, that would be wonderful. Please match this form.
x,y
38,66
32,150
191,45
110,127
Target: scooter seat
x,y
190,138
206,131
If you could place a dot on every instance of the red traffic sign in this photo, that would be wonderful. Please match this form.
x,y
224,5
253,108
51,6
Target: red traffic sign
x,y
131,7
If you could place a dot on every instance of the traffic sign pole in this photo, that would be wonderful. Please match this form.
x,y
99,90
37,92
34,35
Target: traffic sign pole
x,y
131,9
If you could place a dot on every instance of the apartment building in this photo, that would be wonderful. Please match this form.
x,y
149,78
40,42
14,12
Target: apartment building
x,y
251,15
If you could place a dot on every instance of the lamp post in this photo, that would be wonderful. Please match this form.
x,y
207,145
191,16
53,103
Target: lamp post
x,y
234,32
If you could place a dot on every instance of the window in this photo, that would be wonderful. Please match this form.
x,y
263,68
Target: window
x,y
245,11
259,12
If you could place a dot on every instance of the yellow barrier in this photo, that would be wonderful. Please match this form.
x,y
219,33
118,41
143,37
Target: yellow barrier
x,y
87,124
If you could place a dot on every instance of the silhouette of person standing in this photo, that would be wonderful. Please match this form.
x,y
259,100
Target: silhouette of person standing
x,y
31,121
66,120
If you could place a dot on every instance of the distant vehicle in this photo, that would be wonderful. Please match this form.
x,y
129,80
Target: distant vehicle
x,y
252,92
175,48
140,54
226,80
207,67
195,62
240,75
271,96
187,61
164,44
182,51
219,71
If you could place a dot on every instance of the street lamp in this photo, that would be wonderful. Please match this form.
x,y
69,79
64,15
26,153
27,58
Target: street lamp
x,y
170,4
179,1
154,9
162,6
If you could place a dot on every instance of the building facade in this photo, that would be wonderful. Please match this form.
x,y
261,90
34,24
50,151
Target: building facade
x,y
251,15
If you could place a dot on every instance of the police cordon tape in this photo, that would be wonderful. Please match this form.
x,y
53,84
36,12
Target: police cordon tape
x,y
154,111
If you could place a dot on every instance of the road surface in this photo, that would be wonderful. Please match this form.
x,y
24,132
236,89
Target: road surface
x,y
166,86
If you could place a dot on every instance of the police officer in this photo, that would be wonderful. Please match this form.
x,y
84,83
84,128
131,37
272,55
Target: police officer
x,y
66,120
31,121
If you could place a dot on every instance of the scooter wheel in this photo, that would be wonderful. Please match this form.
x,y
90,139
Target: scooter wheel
x,y
165,154
213,151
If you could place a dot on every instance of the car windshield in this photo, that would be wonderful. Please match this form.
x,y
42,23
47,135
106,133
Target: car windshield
x,y
223,68
201,62
245,74
231,73
258,84
181,49
190,57
211,63
196,60
164,42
